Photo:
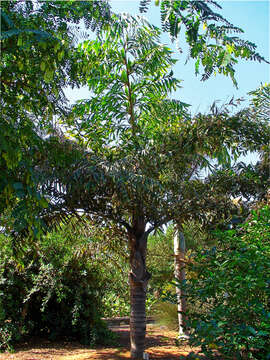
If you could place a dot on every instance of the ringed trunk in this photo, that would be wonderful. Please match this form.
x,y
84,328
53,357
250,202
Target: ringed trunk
x,y
137,320
138,279
180,274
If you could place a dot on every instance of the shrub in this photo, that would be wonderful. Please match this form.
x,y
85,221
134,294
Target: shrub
x,y
116,305
233,285
55,290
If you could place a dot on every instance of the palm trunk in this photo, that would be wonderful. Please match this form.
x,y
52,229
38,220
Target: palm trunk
x,y
137,320
139,278
180,275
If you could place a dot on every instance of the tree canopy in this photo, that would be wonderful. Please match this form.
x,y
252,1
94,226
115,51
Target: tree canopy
x,y
38,60
45,58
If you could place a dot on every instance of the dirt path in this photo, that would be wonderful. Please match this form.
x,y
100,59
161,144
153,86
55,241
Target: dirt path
x,y
160,345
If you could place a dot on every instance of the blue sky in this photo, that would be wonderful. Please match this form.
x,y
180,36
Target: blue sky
x,y
252,16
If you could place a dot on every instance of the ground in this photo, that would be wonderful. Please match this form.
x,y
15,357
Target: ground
x,y
160,345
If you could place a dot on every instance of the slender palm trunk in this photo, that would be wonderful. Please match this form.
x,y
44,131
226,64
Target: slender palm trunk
x,y
180,275
137,320
138,278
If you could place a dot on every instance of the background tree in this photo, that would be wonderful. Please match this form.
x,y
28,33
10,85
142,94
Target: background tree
x,y
38,60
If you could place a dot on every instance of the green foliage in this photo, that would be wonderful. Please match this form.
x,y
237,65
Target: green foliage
x,y
232,283
160,260
247,182
130,77
161,265
53,291
196,234
37,61
131,127
211,38
115,266
261,101
144,152
117,304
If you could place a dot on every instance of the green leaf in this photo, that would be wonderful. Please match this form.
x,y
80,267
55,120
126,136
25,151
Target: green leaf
x,y
44,202
60,55
197,64
124,77
20,65
43,66
56,47
252,330
20,40
48,76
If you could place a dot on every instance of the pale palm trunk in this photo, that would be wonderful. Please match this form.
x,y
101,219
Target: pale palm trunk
x,y
138,278
180,275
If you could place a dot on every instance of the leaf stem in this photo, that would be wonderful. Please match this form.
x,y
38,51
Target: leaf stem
x,y
131,105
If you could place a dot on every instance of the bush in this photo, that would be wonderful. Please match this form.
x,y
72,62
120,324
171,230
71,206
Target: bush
x,y
116,305
233,286
55,290
165,314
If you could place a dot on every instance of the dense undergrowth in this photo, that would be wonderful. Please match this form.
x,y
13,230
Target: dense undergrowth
x,y
53,289
232,285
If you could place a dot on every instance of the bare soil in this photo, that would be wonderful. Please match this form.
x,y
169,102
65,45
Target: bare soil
x,y
160,345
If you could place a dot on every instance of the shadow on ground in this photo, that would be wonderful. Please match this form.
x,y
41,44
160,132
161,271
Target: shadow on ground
x,y
160,345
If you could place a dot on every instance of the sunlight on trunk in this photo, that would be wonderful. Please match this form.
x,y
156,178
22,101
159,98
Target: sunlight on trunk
x,y
180,274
